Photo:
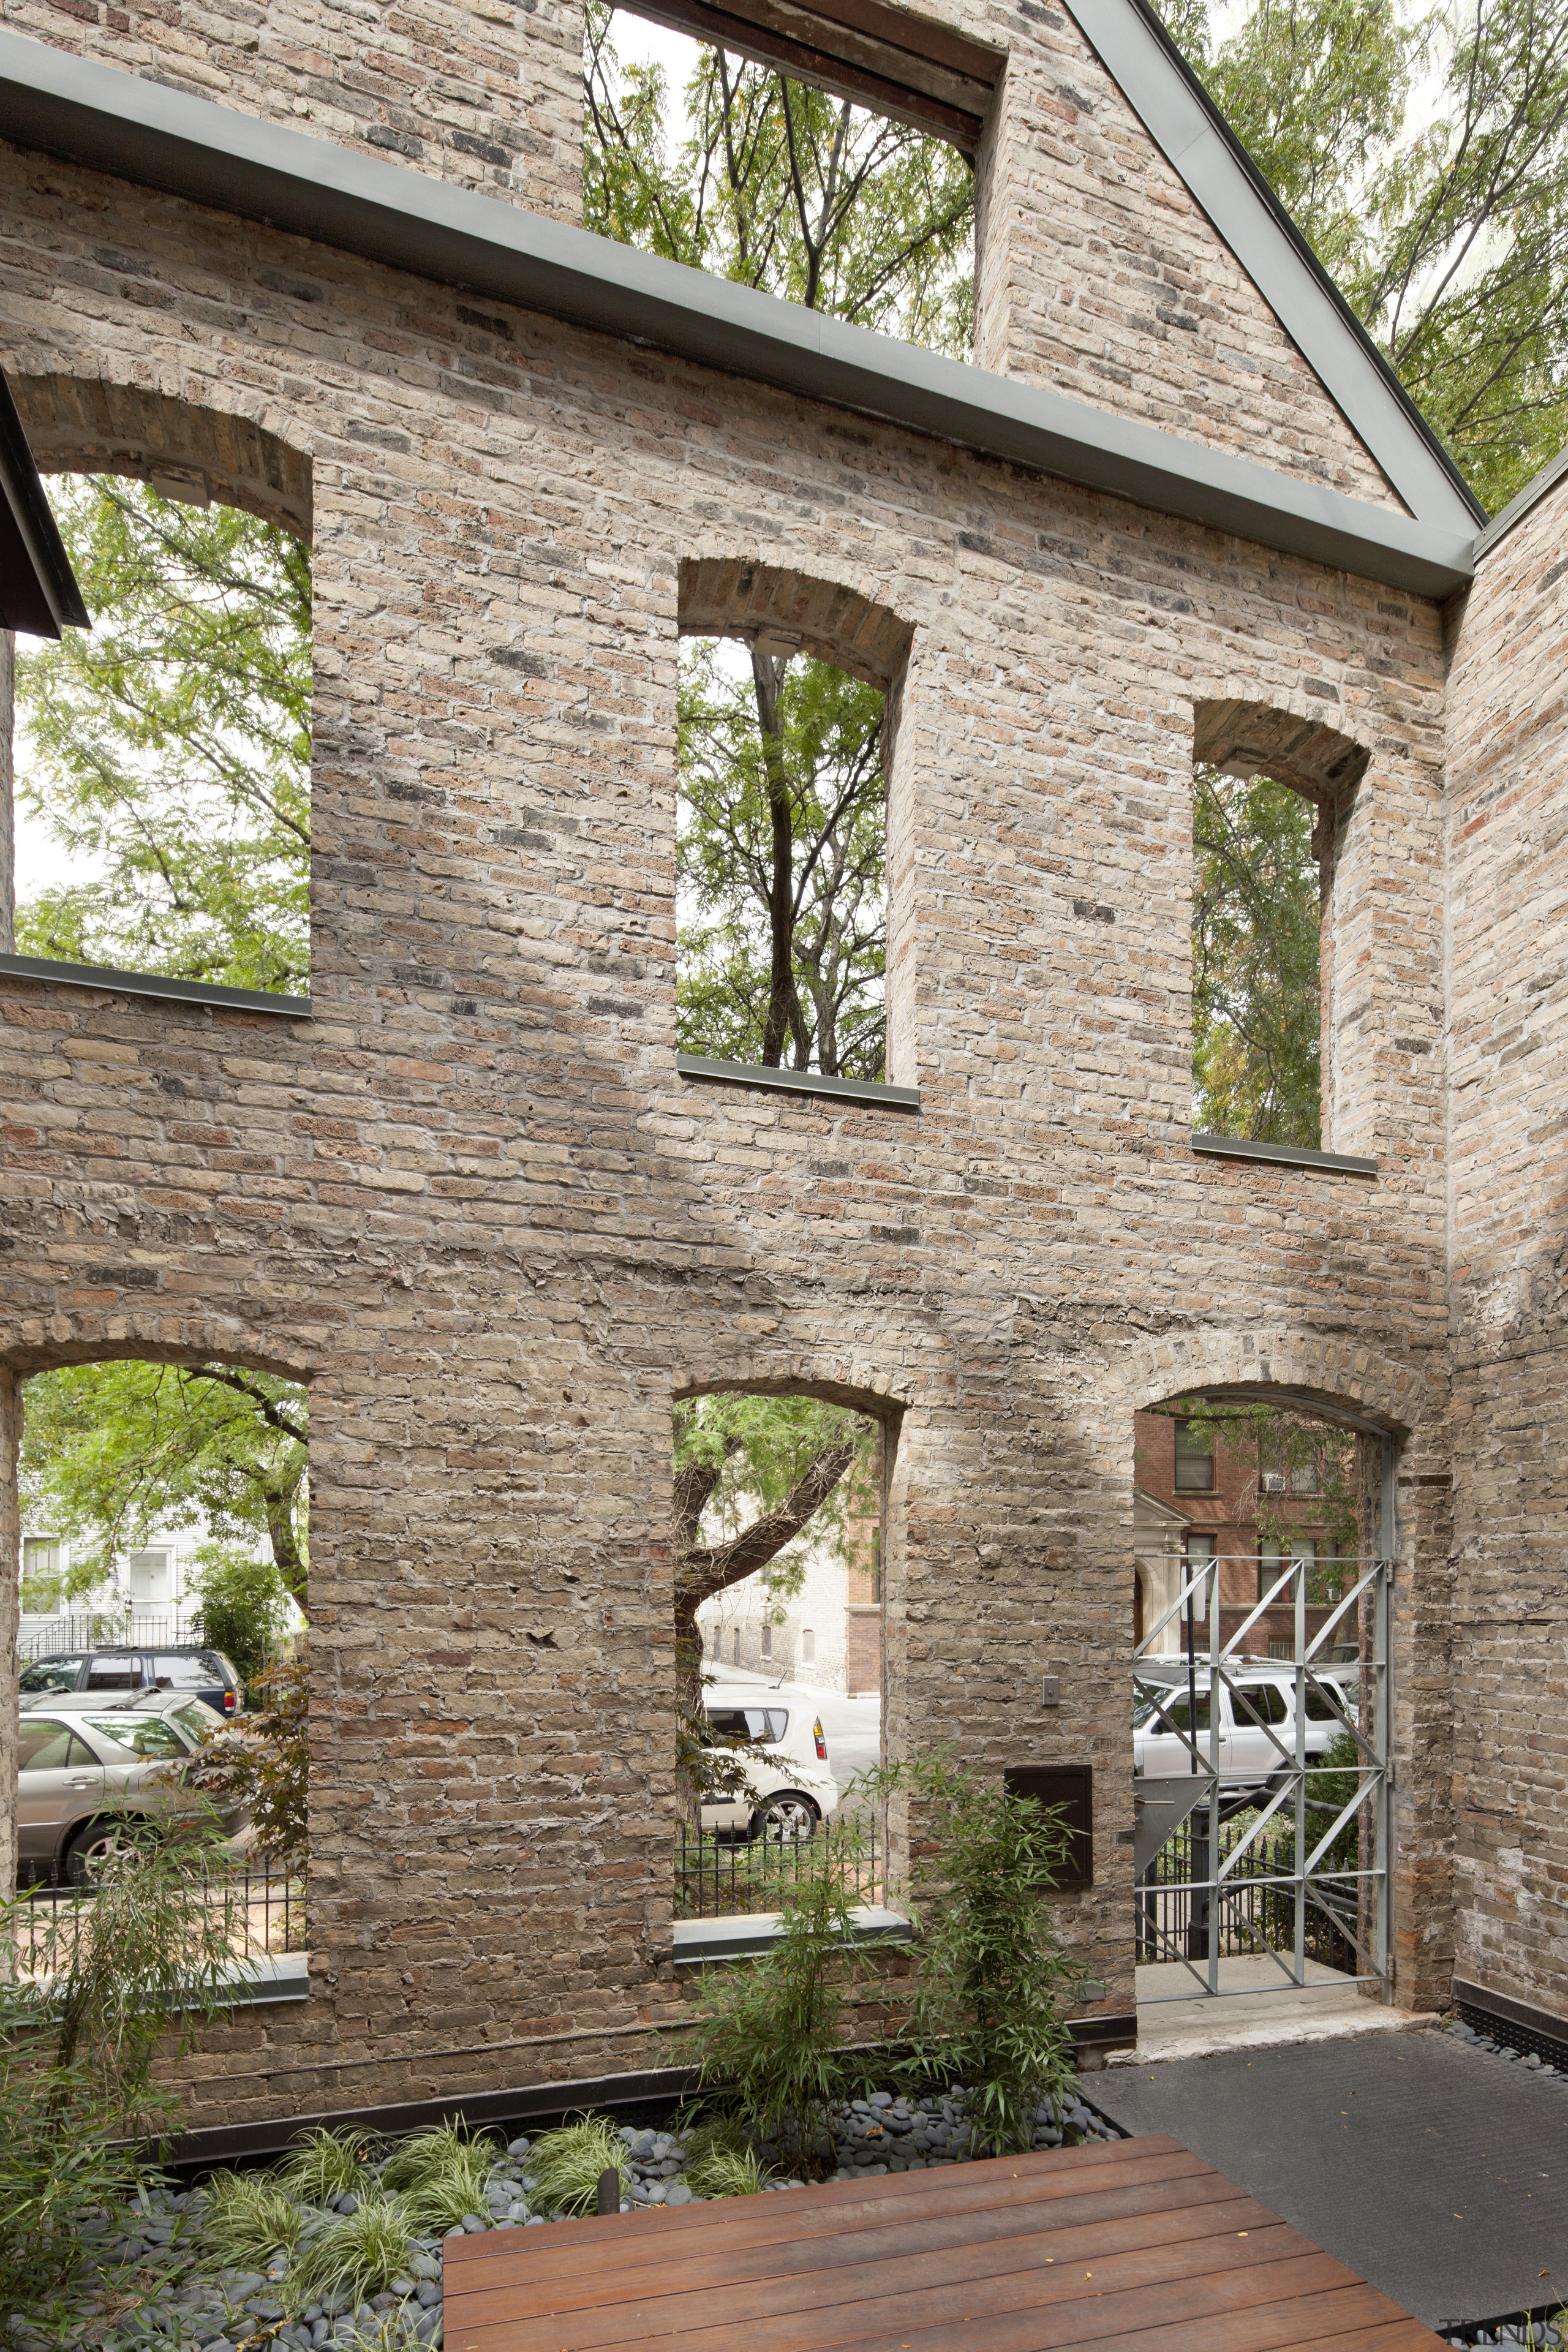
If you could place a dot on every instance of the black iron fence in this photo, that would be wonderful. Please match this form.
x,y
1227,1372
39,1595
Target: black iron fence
x,y
1253,1909
719,1875
262,1906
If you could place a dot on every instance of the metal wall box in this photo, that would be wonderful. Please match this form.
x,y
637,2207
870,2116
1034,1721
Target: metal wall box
x,y
1070,1786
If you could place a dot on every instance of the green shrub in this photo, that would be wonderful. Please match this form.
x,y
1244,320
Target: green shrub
x,y
360,2253
94,1987
564,2166
250,2218
443,2174
727,2172
769,2048
327,2165
987,2005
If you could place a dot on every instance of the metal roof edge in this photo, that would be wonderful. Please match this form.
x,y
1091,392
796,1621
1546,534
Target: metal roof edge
x,y
1170,101
1539,487
142,131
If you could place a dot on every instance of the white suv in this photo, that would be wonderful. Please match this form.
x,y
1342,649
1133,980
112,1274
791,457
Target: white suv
x,y
1248,1755
782,1760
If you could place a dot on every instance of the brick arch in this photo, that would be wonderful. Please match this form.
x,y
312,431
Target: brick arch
x,y
118,1335
837,1381
792,612
87,425
1285,739
1339,1379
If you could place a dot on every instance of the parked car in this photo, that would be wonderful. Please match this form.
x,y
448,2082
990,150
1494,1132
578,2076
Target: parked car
x,y
78,1755
782,1756
1256,1698
205,1675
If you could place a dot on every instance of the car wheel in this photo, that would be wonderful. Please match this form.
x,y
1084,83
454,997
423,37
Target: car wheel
x,y
786,1820
92,1848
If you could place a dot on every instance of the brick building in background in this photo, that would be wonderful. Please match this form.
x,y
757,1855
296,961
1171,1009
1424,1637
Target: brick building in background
x,y
1202,1494
1177,511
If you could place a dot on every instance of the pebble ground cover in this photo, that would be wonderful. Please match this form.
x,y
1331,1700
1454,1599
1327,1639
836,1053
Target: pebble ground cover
x,y
162,2271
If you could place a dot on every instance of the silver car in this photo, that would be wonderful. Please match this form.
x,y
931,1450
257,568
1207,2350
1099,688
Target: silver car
x,y
83,1764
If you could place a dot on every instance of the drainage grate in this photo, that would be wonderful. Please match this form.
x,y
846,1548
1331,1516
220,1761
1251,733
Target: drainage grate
x,y
1548,2048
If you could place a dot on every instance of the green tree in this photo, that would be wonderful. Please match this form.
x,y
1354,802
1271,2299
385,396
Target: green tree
x,y
751,1473
782,188
244,1603
168,750
1424,152
781,859
987,2004
1256,985
110,1452
782,837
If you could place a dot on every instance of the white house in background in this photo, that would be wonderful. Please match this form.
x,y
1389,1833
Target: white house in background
x,y
146,1596
806,1646
1159,1536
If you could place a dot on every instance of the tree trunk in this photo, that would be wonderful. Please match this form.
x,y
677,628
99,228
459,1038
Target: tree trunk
x,y
279,1500
784,1019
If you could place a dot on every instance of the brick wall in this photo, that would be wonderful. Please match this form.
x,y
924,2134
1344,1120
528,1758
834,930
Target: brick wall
x,y
473,1204
1509,1078
484,93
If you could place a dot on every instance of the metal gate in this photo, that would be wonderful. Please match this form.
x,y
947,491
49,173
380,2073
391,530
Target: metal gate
x,y
1280,1853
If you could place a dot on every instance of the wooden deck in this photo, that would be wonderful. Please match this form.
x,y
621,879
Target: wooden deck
x,y
1134,2247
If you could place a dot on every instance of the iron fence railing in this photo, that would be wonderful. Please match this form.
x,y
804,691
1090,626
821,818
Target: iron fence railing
x,y
262,1907
718,1876
1241,1898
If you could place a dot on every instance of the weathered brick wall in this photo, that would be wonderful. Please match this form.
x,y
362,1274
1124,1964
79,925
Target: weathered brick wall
x,y
473,1204
484,93
1099,276
1507,864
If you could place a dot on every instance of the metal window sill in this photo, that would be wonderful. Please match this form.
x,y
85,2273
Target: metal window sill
x,y
1281,1155
798,1082
108,978
281,1976
744,1935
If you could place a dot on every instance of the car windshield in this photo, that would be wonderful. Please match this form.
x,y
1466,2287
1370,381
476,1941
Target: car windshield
x,y
144,1735
1171,1714
198,1719
51,1674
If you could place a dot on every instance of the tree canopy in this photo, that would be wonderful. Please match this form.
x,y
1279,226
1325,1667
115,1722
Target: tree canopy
x,y
782,858
111,1452
1255,988
781,187
1424,152
167,750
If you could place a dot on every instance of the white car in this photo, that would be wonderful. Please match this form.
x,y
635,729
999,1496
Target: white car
x,y
782,1760
1248,1755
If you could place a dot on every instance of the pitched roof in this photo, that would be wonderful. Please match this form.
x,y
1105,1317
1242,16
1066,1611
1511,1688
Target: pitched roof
x,y
1244,211
148,134
38,587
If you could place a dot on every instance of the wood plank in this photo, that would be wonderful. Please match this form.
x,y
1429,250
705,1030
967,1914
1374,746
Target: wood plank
x,y
711,2263
838,2272
1049,2174
1136,2246
1273,2309
1017,2279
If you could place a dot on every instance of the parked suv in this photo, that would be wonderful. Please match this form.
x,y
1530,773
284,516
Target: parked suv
x,y
77,1755
1259,1696
205,1675
783,1757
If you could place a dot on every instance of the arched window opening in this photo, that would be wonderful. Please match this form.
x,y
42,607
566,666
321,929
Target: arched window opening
x,y
1259,1632
779,179
1268,794
162,759
165,1555
777,1502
